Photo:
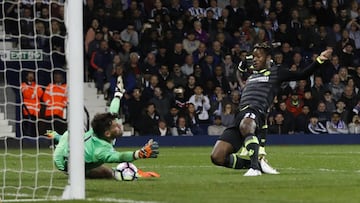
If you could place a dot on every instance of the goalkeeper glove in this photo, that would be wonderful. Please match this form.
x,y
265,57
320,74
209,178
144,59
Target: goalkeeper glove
x,y
119,89
149,150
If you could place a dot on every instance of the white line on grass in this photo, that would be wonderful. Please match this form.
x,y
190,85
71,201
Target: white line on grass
x,y
55,198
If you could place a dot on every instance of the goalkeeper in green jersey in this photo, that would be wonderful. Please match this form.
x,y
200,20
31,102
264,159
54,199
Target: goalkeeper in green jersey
x,y
99,140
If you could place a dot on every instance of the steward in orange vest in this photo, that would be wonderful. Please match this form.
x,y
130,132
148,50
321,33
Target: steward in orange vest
x,y
55,97
31,94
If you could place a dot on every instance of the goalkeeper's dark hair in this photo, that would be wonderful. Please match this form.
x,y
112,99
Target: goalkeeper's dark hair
x,y
263,46
102,122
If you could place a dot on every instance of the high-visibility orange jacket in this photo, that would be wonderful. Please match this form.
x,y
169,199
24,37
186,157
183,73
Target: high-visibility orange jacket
x,y
55,97
31,94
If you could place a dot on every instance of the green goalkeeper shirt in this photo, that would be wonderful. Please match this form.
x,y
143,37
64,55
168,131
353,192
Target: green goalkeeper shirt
x,y
97,151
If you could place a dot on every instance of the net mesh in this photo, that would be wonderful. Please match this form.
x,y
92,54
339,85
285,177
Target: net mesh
x,y
32,36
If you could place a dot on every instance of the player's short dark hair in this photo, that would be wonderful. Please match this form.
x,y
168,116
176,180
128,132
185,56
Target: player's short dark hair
x,y
263,46
101,123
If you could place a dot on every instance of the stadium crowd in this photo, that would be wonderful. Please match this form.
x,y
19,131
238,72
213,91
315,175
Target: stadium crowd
x,y
179,61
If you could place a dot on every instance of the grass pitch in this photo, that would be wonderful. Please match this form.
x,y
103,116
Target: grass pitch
x,y
308,174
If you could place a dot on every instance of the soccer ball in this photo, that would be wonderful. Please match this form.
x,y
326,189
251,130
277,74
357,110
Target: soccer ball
x,y
125,171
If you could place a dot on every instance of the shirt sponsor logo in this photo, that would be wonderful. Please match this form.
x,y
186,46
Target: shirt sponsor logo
x,y
259,79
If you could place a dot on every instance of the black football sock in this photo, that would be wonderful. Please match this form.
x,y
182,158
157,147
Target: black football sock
x,y
263,133
252,145
235,162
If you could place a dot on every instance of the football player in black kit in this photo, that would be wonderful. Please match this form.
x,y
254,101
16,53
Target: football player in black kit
x,y
258,94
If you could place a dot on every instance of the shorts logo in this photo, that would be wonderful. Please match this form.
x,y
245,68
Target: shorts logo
x,y
250,115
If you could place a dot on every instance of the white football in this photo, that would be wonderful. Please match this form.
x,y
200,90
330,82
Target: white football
x,y
125,171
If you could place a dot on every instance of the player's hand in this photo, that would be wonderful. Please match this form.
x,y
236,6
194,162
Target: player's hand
x,y
149,150
326,55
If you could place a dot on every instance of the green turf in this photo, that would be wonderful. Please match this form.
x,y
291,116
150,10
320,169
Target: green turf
x,y
308,174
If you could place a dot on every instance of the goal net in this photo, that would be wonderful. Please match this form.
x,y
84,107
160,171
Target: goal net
x,y
33,97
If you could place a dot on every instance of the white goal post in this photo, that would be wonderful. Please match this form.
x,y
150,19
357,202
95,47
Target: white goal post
x,y
27,172
74,55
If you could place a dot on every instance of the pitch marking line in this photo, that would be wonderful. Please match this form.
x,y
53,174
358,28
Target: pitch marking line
x,y
55,198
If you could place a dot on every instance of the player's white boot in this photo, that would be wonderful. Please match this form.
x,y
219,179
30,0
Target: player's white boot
x,y
266,168
253,172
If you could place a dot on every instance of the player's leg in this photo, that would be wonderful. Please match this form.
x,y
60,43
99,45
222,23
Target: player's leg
x,y
265,166
247,129
101,172
223,153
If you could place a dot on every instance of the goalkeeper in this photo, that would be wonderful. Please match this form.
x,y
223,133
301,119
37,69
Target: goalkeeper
x,y
99,140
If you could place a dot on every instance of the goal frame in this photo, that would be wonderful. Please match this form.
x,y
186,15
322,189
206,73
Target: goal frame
x,y
74,56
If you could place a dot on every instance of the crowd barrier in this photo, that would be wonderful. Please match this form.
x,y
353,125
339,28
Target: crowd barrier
x,y
205,140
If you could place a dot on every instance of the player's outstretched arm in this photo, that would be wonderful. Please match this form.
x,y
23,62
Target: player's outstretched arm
x,y
149,150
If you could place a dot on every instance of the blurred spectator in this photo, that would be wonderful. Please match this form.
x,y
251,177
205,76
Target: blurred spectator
x,y
161,102
135,67
341,109
347,55
228,115
163,76
213,6
180,101
289,119
237,15
349,97
234,98
177,55
149,120
354,126
196,11
125,51
279,127
190,44
179,31
110,71
115,42
322,114
135,105
354,33
344,75
351,83
336,87
216,128
181,128
177,76
172,116
201,103
148,91
208,22
309,101
31,97
190,86
90,34
318,89
162,129
200,33
329,101
176,10
217,101
150,64
101,60
192,120
55,98
345,39
294,104
158,9
188,67
315,126
335,125
302,120
130,35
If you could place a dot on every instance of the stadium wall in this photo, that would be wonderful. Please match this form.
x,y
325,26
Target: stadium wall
x,y
205,140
